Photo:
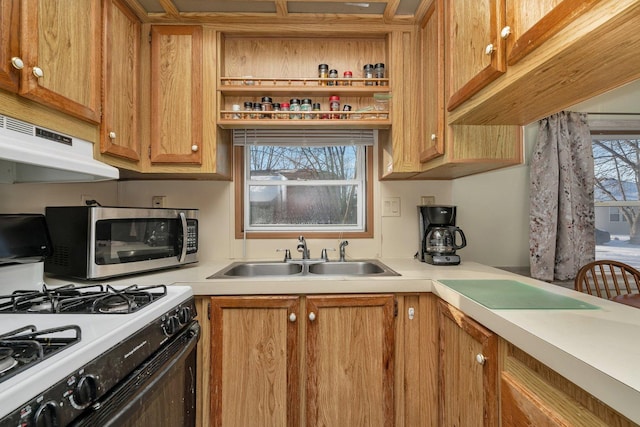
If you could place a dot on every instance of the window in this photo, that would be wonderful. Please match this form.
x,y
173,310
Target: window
x,y
617,183
291,185
614,215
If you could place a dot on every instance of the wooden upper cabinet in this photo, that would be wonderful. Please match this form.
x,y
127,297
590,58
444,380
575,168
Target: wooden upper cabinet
x,y
468,371
9,45
487,35
432,56
60,48
176,94
475,52
532,23
119,131
350,360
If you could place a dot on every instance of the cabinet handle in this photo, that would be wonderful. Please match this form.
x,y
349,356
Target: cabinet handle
x,y
37,71
489,49
292,317
505,32
434,136
194,148
480,358
17,63
312,316
112,135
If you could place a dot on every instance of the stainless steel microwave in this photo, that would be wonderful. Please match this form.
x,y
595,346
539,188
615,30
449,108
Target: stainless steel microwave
x,y
97,242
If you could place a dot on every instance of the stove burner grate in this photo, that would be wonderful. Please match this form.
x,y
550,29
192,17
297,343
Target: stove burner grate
x,y
82,299
22,348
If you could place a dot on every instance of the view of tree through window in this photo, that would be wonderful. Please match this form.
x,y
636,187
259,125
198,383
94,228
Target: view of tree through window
x,y
617,207
315,187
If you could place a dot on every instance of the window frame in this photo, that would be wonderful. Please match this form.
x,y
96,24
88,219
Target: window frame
x,y
239,184
614,128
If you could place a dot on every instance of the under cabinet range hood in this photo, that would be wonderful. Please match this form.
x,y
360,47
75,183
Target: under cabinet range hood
x,y
31,153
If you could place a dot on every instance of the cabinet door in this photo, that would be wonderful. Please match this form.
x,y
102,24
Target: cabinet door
x,y
119,133
532,23
468,371
60,45
176,94
254,361
432,52
350,363
475,50
9,45
416,360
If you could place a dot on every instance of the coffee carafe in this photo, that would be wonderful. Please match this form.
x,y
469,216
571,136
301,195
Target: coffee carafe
x,y
442,240
439,235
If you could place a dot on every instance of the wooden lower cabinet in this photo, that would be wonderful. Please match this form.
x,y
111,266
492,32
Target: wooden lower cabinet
x,y
298,361
366,360
254,361
531,394
349,360
468,371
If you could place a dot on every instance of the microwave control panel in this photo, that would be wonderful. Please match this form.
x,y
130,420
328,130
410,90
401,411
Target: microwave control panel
x,y
192,236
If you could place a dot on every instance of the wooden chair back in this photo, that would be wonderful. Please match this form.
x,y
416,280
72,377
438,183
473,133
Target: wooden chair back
x,y
607,279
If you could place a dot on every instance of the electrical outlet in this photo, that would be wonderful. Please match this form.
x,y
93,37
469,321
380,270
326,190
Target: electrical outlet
x,y
428,200
391,206
158,201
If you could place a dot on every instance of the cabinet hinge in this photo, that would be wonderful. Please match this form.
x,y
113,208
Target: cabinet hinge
x,y
209,311
395,307
149,37
149,152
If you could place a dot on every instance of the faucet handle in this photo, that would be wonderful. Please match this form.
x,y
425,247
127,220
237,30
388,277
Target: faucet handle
x,y
287,254
323,254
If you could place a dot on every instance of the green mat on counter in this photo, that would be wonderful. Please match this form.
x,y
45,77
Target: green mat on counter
x,y
511,294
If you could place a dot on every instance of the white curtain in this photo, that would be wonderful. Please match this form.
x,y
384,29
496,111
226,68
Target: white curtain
x,y
562,219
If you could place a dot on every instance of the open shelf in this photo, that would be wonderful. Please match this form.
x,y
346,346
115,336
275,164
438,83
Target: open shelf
x,y
243,86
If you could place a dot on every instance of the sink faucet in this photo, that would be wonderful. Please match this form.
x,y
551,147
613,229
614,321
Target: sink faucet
x,y
302,247
287,254
342,251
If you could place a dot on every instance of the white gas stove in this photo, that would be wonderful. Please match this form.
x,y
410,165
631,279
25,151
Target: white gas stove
x,y
65,349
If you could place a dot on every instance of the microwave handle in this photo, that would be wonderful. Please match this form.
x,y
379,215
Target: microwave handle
x,y
183,250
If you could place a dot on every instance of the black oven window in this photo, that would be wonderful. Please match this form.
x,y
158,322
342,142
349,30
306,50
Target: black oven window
x,y
129,240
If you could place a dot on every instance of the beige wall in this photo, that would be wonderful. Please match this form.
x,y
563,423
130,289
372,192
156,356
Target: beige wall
x,y
393,236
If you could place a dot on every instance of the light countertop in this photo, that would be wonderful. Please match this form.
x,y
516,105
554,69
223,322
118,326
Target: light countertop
x,y
596,349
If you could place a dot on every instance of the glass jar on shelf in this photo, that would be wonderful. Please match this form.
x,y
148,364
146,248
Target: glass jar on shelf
x,y
294,108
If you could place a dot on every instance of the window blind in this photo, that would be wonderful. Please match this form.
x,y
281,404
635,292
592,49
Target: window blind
x,y
304,137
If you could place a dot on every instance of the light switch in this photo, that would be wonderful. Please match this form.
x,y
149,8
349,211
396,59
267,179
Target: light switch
x,y
391,206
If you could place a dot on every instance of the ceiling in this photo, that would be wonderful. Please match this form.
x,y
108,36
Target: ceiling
x,y
281,11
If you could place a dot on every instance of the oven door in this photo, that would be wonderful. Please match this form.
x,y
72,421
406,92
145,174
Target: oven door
x,y
161,392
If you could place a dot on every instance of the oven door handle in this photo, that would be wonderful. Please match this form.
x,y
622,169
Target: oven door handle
x,y
183,250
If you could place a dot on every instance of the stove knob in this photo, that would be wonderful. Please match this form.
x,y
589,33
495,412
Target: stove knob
x,y
46,415
85,392
172,325
184,315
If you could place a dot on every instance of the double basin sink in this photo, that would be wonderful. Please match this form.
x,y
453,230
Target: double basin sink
x,y
248,269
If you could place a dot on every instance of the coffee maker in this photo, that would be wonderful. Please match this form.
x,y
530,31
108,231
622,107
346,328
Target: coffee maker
x,y
438,235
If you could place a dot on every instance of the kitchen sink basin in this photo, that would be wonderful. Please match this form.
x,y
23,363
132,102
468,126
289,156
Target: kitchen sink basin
x,y
308,268
352,268
258,269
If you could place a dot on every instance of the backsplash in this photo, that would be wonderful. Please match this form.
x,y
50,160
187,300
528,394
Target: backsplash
x,y
393,236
